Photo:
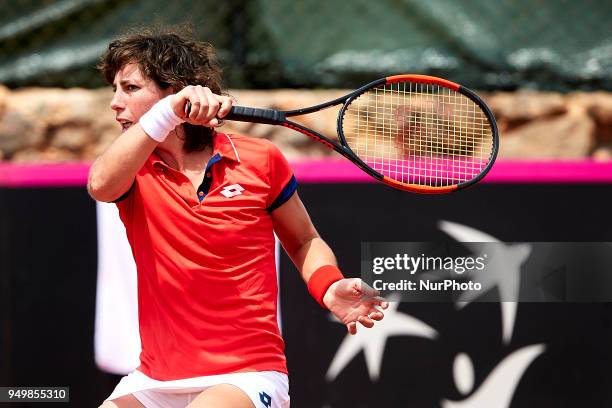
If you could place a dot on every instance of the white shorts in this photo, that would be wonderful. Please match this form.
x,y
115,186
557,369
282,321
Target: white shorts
x,y
267,389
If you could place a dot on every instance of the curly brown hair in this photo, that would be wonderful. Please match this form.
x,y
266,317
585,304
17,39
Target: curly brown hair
x,y
171,58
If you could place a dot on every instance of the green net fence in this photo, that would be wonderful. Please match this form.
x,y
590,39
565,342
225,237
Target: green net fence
x,y
504,44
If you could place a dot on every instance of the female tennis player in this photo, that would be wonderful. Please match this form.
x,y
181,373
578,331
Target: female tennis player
x,y
200,208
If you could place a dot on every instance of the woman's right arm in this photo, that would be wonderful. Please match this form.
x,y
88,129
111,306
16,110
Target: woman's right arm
x,y
113,173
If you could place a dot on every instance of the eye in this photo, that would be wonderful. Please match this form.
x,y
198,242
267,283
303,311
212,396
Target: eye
x,y
132,88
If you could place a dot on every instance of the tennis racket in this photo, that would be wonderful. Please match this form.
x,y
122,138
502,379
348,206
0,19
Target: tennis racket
x,y
412,132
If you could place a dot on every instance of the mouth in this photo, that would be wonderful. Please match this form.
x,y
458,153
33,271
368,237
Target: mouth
x,y
125,124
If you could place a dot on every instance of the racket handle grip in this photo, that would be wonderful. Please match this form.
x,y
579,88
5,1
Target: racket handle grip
x,y
255,115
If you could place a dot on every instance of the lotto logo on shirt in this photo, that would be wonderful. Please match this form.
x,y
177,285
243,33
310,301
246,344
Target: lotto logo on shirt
x,y
233,190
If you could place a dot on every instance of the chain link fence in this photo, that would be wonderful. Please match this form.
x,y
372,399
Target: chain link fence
x,y
507,44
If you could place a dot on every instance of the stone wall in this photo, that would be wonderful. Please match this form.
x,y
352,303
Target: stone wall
x,y
52,125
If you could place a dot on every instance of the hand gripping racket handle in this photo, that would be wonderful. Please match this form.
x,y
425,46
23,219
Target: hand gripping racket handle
x,y
255,115
244,114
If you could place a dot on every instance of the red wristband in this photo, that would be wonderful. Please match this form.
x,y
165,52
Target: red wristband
x,y
321,280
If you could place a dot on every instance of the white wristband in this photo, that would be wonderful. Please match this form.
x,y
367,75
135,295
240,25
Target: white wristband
x,y
160,120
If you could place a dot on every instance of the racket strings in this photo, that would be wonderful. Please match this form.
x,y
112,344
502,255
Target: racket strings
x,y
419,133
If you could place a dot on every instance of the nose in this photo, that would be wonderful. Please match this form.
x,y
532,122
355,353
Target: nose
x,y
117,104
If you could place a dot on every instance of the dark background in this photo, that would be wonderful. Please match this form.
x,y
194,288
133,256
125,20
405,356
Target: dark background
x,y
561,45
575,370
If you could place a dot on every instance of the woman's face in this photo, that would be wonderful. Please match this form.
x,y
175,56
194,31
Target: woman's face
x,y
134,95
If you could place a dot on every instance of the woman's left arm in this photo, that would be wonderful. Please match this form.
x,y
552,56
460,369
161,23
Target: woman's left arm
x,y
350,300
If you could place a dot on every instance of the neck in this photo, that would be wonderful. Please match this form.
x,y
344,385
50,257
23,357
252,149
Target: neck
x,y
172,153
